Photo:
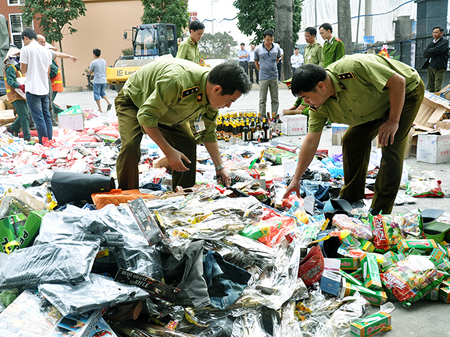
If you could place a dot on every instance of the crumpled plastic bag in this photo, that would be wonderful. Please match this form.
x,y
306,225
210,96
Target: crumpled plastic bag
x,y
99,292
421,189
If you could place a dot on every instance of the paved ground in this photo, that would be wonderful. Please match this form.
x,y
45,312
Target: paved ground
x,y
424,318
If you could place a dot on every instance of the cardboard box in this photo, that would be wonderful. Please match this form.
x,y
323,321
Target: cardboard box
x,y
349,263
433,148
338,128
370,325
443,125
444,294
7,116
295,125
375,297
430,112
72,118
405,245
371,272
330,282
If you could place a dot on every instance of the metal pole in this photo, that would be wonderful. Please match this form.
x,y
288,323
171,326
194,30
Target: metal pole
x,y
367,18
315,13
357,24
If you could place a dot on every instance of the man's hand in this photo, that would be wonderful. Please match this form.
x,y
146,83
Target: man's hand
x,y
73,58
293,187
387,132
223,177
22,87
175,159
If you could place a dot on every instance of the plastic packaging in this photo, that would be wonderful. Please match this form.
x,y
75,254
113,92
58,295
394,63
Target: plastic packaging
x,y
387,231
357,228
60,262
421,189
99,292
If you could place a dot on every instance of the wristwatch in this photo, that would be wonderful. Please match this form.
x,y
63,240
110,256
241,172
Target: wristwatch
x,y
220,167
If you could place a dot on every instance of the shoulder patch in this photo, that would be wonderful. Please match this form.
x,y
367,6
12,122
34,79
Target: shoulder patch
x,y
342,86
338,39
200,97
190,91
319,44
312,109
346,76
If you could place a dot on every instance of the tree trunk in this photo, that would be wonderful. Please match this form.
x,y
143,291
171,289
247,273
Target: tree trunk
x,y
345,25
283,33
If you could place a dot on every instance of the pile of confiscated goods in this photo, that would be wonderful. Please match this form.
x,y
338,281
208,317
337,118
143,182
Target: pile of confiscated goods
x,y
84,259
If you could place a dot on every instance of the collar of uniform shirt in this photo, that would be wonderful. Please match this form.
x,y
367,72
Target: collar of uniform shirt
x,y
330,41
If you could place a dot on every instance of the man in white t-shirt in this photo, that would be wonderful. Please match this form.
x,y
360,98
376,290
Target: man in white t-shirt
x,y
35,63
98,68
296,60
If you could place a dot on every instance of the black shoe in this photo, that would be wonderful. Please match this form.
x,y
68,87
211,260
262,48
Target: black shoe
x,y
355,204
15,134
374,211
109,107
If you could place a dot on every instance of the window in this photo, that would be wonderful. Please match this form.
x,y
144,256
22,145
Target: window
x,y
16,26
16,2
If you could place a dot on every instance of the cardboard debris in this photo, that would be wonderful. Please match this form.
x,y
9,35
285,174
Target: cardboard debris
x,y
431,111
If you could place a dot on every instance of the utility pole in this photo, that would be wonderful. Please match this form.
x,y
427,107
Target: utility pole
x,y
345,25
368,18
284,10
212,14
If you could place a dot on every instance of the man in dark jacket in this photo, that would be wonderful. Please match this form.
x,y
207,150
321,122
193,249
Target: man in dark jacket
x,y
437,56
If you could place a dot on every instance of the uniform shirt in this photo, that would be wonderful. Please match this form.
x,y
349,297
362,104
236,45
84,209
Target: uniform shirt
x,y
267,61
333,50
188,50
296,60
243,52
313,54
38,61
361,96
172,92
99,68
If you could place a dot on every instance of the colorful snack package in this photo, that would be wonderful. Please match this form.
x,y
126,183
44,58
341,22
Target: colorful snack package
x,y
350,278
404,245
375,297
433,295
358,228
412,226
371,325
371,272
358,274
444,294
349,263
386,231
421,189
367,246
412,278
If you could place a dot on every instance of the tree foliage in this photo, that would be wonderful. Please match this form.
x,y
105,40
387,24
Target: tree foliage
x,y
255,17
168,11
53,15
217,46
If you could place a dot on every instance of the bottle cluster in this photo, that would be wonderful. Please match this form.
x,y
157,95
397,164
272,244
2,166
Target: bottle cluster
x,y
248,126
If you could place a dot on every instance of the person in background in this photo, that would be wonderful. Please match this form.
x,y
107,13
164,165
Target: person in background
x,y
267,56
251,65
98,68
296,60
56,83
188,49
389,96
436,53
11,73
279,64
35,63
243,58
333,48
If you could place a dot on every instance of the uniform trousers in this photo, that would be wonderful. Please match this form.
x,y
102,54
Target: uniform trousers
x,y
435,79
178,136
356,147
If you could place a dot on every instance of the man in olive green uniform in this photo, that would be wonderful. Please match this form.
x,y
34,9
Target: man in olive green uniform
x,y
312,55
373,95
188,50
160,99
313,51
333,48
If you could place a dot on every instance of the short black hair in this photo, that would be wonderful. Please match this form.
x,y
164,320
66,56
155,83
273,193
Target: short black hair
x,y
268,32
296,48
306,78
441,29
326,26
97,52
196,25
29,33
231,77
311,30
242,44
278,42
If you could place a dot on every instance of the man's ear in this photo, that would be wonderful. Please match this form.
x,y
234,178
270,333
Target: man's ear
x,y
320,86
217,89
